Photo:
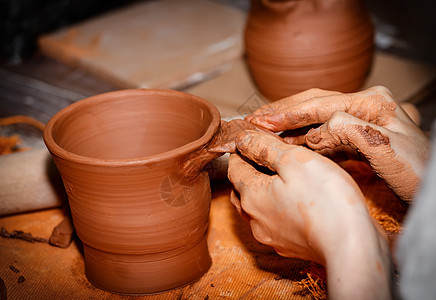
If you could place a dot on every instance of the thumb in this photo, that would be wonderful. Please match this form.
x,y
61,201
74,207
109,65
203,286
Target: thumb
x,y
345,129
375,143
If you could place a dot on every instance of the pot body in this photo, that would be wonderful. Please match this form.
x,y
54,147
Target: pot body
x,y
295,45
143,224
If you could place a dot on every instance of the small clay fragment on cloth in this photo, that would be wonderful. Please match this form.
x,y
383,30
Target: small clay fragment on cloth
x,y
15,270
62,234
20,235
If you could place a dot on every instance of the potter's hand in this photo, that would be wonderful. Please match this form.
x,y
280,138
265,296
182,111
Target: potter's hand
x,y
370,121
311,209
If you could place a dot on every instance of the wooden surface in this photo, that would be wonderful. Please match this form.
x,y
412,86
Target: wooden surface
x,y
156,44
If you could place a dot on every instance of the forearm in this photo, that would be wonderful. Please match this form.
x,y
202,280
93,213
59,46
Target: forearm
x,y
361,268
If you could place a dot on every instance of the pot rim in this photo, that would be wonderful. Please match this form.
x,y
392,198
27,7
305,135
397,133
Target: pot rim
x,y
60,152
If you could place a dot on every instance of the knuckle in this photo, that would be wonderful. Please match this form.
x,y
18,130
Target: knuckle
x,y
383,93
338,120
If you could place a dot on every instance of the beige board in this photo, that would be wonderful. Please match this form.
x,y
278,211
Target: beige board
x,y
235,94
152,44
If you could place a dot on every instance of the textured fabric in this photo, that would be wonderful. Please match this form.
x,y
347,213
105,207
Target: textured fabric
x,y
417,246
241,267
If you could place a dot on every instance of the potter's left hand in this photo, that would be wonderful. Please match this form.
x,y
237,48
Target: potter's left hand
x,y
370,121
311,209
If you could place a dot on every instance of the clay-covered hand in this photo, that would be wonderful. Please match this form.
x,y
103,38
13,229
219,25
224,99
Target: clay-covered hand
x,y
310,209
371,122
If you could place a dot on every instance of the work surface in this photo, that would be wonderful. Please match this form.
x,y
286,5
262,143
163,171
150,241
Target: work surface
x,y
241,267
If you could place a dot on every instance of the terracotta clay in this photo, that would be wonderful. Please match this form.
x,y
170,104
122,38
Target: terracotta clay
x,y
294,45
131,163
222,142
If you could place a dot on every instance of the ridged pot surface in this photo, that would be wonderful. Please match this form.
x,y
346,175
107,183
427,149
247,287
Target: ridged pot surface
x,y
295,45
142,223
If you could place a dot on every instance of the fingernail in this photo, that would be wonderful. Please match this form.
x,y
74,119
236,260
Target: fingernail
x,y
243,138
314,135
248,118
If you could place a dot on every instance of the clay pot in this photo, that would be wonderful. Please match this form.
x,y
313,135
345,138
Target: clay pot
x,y
295,45
132,164
123,158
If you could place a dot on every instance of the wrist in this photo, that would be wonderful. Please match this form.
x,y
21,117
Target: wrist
x,y
359,266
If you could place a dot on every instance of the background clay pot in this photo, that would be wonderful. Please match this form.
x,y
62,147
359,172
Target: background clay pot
x,y
142,223
295,45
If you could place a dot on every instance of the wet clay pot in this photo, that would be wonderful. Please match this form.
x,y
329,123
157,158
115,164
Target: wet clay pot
x,y
132,164
139,201
295,45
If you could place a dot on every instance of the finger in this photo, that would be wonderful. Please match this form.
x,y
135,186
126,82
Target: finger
x,y
263,149
412,111
374,105
244,176
291,100
345,129
234,199
296,136
340,153
294,140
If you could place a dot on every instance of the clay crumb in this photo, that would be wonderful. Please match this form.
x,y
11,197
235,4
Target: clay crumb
x,y
373,136
62,234
21,279
20,235
14,269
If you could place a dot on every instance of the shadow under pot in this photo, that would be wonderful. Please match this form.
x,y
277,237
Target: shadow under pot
x,y
140,212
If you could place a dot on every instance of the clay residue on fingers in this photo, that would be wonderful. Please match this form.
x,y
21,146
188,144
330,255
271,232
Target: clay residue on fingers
x,y
224,141
373,136
374,105
399,175
259,151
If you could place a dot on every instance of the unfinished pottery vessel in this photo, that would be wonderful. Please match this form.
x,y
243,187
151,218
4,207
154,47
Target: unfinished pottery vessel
x,y
295,45
132,164
142,222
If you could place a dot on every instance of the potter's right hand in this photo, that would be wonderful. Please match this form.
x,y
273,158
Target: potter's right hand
x,y
311,209
370,121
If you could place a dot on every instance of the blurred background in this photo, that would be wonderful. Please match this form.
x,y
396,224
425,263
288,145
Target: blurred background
x,y
403,28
